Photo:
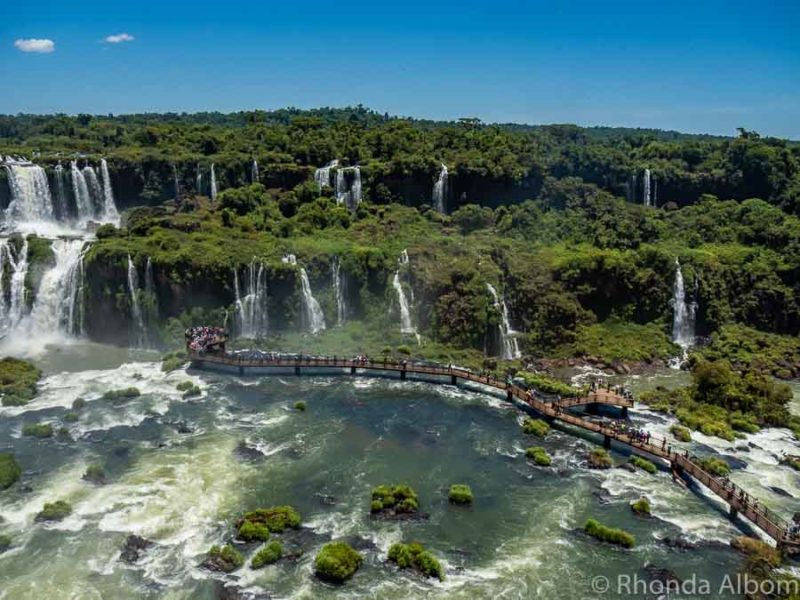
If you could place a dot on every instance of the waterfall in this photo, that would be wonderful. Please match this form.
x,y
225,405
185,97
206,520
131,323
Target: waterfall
x,y
349,195
14,307
683,314
95,189
252,318
199,181
406,325
61,193
58,305
30,193
509,342
110,212
314,317
213,183
440,191
136,309
254,171
646,187
176,182
150,293
323,175
83,201
339,290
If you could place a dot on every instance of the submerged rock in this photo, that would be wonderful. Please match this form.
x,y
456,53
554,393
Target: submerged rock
x,y
133,548
664,576
233,592
677,543
248,453
780,491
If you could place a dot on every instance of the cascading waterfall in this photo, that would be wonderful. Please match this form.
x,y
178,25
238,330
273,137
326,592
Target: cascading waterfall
x,y
323,175
199,181
176,182
314,317
110,212
508,340
646,188
30,193
254,171
150,293
213,183
136,309
348,194
683,315
58,305
252,318
406,325
95,189
339,290
14,308
61,192
440,191
80,190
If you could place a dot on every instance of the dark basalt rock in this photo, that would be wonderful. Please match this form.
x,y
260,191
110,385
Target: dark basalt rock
x,y
248,453
133,548
678,543
183,427
665,576
780,492
734,462
326,499
361,544
233,592
390,515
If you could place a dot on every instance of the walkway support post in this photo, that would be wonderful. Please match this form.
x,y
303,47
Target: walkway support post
x,y
403,374
241,370
607,442
353,370
733,513
624,412
453,380
297,370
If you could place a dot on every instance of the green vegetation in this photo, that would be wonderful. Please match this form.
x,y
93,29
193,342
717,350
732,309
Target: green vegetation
x,y
5,542
715,466
535,427
39,430
55,511
95,474
337,562
641,506
250,531
225,558
643,464
757,551
792,461
78,404
617,341
600,459
609,534
414,556
539,455
267,555
682,434
122,394
275,519
10,471
394,499
71,417
18,381
173,361
548,385
300,405
460,494
184,386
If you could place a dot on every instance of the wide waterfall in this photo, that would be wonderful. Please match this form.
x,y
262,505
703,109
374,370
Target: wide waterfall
x,y
140,334
440,191
406,324
507,334
30,194
110,213
646,188
323,175
252,318
58,301
12,305
339,290
683,315
254,176
213,183
80,190
348,193
314,317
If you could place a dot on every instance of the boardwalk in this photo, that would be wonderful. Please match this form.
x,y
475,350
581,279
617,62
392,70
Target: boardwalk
x,y
681,463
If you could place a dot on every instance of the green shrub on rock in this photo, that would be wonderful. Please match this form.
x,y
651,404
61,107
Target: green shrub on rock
x,y
641,506
54,511
9,471
396,499
414,556
609,534
267,555
225,559
460,494
78,404
122,394
535,427
643,464
337,562
38,430
276,518
184,386
253,532
539,455
95,474
300,405
5,543
715,466
18,381
681,433
600,459
71,417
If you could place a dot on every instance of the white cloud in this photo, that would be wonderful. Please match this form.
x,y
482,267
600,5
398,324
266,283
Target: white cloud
x,y
34,45
118,38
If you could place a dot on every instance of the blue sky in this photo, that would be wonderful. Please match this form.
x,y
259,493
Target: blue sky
x,y
702,66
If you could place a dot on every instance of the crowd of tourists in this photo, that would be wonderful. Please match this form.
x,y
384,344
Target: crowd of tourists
x,y
200,338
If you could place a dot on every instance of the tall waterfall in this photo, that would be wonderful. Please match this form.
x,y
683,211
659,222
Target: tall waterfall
x,y
406,325
314,317
58,305
254,171
348,193
509,342
684,313
30,193
95,189
83,201
61,201
323,175
13,308
252,318
110,212
213,183
440,191
150,292
199,181
176,183
140,334
339,290
646,188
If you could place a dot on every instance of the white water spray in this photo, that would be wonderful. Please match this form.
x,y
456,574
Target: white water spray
x,y
406,324
323,175
646,188
314,317
339,290
683,315
213,183
30,193
80,190
348,193
58,305
252,318
507,334
136,309
110,213
440,191
254,175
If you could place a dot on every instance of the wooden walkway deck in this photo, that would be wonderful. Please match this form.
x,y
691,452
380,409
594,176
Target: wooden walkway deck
x,y
738,501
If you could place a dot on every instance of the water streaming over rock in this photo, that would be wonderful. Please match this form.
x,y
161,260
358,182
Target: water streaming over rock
x,y
58,305
646,188
110,212
80,191
61,201
14,306
348,189
406,324
510,345
252,317
440,191
313,316
213,183
198,181
30,193
137,318
254,176
339,284
684,309
323,175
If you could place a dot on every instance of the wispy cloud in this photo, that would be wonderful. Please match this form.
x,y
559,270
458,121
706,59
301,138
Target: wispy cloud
x,y
118,38
34,45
